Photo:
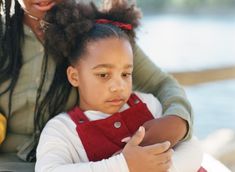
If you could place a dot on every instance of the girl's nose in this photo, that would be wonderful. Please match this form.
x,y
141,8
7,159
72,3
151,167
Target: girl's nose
x,y
117,85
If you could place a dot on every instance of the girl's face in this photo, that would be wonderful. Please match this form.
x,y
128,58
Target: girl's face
x,y
103,75
37,8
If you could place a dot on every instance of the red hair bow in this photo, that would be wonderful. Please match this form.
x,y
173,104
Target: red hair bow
x,y
115,23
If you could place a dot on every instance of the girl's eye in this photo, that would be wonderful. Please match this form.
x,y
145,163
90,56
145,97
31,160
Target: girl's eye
x,y
103,75
126,75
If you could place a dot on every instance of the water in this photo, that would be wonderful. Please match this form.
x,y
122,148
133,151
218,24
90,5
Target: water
x,y
183,43
177,42
214,106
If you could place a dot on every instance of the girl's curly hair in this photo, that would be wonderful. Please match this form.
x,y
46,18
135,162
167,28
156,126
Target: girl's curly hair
x,y
73,25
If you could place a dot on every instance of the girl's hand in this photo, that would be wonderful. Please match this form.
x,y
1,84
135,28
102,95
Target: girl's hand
x,y
153,158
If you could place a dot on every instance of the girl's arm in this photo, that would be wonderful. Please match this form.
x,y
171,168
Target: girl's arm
x,y
177,112
60,149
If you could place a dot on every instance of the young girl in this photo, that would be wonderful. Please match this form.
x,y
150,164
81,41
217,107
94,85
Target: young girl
x,y
96,50
31,91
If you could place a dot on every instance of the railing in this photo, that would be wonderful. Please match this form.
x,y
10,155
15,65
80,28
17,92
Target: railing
x,y
207,75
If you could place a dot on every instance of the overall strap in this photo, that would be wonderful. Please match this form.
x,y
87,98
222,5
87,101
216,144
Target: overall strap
x,y
77,115
133,100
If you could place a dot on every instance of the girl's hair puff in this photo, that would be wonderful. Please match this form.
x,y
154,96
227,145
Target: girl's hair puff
x,y
73,25
124,12
67,21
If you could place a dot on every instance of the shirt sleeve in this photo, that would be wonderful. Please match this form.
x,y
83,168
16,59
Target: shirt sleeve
x,y
148,78
60,150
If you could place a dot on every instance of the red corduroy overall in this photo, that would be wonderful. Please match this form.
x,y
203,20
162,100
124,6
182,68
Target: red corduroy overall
x,y
102,138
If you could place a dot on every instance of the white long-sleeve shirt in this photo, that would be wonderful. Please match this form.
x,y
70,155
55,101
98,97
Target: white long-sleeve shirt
x,y
60,148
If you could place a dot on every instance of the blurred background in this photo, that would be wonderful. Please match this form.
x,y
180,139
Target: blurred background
x,y
194,40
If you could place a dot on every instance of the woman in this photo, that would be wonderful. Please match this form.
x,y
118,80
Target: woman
x,y
29,92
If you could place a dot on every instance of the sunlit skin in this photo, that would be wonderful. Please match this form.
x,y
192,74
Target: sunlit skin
x,y
37,8
103,75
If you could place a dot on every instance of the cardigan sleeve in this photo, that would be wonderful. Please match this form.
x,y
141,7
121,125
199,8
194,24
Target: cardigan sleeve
x,y
148,78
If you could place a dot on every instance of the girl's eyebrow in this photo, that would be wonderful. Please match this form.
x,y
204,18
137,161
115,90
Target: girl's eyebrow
x,y
111,66
103,66
129,66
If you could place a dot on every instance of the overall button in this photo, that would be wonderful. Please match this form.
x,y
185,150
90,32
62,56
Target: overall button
x,y
117,124
136,101
81,121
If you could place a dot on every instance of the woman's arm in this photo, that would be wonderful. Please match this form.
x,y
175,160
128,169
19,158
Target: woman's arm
x,y
171,128
177,117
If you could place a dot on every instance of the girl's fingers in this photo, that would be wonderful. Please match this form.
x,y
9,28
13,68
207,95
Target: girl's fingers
x,y
158,148
164,157
137,138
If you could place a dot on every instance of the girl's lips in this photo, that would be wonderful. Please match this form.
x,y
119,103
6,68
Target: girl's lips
x,y
44,5
116,102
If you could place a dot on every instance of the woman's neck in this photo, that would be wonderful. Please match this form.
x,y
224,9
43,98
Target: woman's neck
x,y
35,24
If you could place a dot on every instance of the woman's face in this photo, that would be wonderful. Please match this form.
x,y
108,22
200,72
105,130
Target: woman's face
x,y
37,8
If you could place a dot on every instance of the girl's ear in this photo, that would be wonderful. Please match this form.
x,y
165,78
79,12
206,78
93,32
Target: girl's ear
x,y
72,75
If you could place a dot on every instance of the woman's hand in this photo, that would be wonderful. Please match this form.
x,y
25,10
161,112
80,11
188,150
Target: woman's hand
x,y
153,158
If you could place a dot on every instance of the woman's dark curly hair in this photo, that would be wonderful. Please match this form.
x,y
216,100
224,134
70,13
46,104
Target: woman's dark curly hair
x,y
71,27
11,35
